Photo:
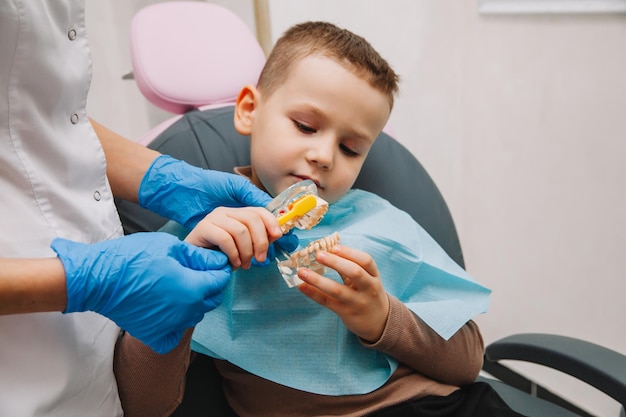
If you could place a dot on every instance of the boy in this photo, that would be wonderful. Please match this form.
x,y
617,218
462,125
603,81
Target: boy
x,y
390,333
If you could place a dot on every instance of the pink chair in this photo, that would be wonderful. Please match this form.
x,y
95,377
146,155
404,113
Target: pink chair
x,y
191,55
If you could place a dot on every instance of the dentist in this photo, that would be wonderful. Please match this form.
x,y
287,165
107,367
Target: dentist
x,y
69,279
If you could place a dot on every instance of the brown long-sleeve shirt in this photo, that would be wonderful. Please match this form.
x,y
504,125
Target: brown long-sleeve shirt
x,y
150,384
429,365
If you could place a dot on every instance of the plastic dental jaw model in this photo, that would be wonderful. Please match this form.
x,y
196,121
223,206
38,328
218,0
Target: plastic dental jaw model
x,y
305,258
299,206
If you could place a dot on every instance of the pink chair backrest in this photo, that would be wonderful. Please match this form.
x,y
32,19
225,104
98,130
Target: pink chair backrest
x,y
187,55
192,55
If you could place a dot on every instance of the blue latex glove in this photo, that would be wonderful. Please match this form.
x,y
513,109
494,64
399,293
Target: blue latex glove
x,y
151,284
181,192
288,243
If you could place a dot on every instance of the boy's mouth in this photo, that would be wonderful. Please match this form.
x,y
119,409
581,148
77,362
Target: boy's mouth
x,y
304,177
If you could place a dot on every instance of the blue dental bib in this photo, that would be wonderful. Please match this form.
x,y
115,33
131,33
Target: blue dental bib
x,y
279,334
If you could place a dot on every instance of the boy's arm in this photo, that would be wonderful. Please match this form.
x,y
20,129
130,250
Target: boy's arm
x,y
409,340
150,384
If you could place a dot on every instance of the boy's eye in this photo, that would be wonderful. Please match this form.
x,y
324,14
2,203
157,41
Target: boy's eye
x,y
303,128
347,151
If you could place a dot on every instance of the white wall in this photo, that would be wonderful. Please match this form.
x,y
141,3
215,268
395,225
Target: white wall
x,y
519,119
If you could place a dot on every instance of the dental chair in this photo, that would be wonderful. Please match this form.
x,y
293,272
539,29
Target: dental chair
x,y
183,62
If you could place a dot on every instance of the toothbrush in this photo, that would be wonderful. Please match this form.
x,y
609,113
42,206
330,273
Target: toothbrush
x,y
298,213
298,206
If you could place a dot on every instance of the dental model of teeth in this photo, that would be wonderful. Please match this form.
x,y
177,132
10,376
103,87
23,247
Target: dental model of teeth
x,y
304,213
298,206
305,258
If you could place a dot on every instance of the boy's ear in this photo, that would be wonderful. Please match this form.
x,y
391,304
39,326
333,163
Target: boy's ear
x,y
244,109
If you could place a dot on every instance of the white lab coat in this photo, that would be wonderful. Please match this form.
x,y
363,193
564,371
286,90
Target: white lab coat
x,y
52,183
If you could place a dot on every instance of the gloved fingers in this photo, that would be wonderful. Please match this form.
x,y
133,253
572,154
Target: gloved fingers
x,y
166,343
271,254
218,280
211,302
193,322
150,284
268,259
200,259
208,283
289,242
231,190
185,193
249,194
197,319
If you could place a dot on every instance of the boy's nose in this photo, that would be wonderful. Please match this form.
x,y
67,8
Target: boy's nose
x,y
321,154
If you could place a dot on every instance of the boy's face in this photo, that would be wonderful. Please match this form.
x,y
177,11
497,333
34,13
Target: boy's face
x,y
319,125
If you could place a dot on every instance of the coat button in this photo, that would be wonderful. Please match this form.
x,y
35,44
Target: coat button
x,y
71,34
74,118
97,196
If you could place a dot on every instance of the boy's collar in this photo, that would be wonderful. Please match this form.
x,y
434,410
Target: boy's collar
x,y
245,171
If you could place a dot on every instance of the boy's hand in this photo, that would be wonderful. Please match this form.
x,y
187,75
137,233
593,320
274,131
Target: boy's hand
x,y
361,301
241,233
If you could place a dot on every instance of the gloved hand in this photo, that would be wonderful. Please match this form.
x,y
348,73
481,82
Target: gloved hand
x,y
288,243
185,194
151,284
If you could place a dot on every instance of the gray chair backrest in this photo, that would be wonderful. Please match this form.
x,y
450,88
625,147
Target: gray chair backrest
x,y
208,139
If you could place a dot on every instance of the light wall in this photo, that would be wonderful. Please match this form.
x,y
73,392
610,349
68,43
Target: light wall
x,y
519,119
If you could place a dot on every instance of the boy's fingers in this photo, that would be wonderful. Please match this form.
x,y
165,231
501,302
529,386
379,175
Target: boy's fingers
x,y
317,294
363,259
323,285
259,223
350,271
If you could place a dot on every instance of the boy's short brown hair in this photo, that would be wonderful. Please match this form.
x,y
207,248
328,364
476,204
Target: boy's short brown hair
x,y
326,39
